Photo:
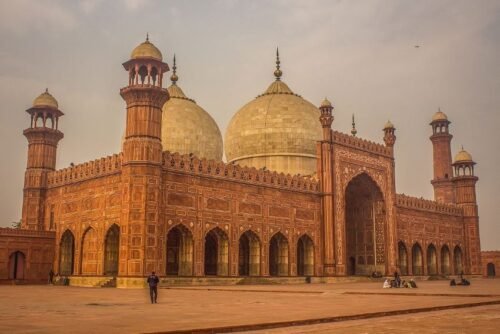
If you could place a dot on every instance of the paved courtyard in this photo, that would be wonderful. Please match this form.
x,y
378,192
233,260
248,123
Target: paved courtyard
x,y
361,307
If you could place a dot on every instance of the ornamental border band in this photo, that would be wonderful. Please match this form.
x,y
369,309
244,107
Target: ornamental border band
x,y
295,199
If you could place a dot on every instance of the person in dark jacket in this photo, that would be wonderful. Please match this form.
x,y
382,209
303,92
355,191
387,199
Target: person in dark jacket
x,y
153,281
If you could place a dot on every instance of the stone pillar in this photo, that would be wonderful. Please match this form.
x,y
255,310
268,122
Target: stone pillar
x,y
325,174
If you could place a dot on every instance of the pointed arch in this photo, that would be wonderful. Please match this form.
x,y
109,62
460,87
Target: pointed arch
x,y
490,270
180,250
445,260
278,255
417,260
457,260
431,260
365,227
17,265
66,253
216,252
112,250
402,258
305,256
249,254
89,245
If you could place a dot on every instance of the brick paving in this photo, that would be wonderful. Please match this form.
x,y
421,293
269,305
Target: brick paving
x,y
50,309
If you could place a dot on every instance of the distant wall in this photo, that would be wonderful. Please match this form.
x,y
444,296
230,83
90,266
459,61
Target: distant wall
x,y
34,258
491,258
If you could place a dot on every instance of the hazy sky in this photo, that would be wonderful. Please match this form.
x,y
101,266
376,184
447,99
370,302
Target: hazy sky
x,y
360,54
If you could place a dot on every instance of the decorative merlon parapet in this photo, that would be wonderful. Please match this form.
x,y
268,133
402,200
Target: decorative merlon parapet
x,y
410,202
361,144
229,171
87,170
6,231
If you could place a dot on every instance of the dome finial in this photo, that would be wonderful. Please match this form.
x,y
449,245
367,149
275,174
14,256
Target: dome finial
x,y
174,76
46,90
353,131
278,72
462,147
147,37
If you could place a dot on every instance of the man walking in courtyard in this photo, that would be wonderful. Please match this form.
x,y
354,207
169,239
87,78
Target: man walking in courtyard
x,y
153,287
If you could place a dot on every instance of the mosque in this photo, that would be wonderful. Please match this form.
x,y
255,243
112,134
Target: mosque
x,y
293,198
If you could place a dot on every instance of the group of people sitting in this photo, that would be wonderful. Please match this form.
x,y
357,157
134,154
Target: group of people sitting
x,y
463,281
397,282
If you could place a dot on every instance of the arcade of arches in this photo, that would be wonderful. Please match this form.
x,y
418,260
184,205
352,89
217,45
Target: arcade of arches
x,y
90,253
435,264
180,248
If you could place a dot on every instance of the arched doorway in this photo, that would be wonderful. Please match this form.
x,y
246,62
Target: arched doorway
x,y
216,253
490,270
278,255
66,253
365,226
88,265
402,258
249,254
417,264
305,256
431,260
179,251
457,260
112,251
445,260
17,262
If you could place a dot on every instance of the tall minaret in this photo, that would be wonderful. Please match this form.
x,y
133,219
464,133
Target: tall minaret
x,y
465,194
325,174
443,173
142,157
43,136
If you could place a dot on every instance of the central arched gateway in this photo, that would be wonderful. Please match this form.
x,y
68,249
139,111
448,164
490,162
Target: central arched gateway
x,y
249,254
278,255
179,251
365,227
216,253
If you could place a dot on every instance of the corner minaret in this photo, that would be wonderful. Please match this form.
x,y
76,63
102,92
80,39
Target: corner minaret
x,y
465,195
441,142
43,136
142,158
145,98
325,175
389,134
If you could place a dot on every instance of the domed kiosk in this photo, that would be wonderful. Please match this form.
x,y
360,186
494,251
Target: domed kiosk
x,y
278,130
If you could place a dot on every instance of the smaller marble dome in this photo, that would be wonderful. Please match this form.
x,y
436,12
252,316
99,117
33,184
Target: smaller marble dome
x,y
388,125
439,116
187,128
45,100
463,156
146,50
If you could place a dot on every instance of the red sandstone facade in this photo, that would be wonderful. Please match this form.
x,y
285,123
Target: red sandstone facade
x,y
146,209
491,263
